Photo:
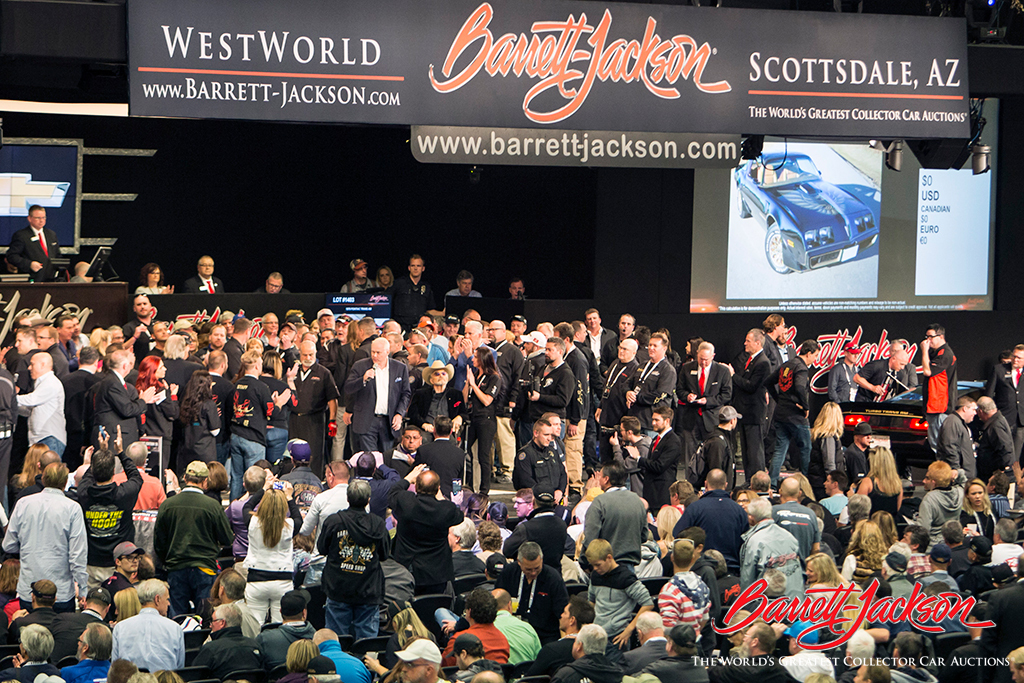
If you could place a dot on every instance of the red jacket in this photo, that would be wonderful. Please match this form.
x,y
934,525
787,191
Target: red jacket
x,y
495,644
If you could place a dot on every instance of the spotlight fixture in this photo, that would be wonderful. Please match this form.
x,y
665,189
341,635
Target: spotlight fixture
x,y
981,159
983,21
893,152
751,147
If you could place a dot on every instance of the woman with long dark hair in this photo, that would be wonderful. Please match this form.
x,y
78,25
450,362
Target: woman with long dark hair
x,y
161,414
200,419
483,384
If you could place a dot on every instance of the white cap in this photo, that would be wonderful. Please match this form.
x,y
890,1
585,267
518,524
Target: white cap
x,y
420,649
536,338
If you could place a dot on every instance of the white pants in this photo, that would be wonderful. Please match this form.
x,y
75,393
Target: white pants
x,y
264,596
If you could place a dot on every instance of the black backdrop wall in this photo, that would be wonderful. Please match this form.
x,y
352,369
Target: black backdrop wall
x,y
305,200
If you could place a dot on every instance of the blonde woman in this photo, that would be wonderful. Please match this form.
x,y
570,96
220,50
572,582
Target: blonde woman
x,y
99,339
406,627
805,487
887,525
126,603
269,558
882,485
977,517
822,571
865,554
666,523
826,447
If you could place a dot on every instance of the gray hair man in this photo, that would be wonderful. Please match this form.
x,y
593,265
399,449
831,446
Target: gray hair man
x,y
149,639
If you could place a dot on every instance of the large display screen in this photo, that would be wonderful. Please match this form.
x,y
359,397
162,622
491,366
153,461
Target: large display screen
x,y
820,226
356,306
44,173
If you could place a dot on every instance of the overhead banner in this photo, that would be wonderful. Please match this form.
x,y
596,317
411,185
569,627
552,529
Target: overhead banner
x,y
553,147
533,64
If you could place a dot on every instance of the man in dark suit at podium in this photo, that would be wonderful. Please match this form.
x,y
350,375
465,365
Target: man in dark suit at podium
x,y
33,246
1006,388
204,282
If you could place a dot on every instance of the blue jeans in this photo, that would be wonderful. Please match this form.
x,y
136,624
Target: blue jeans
x,y
277,438
244,454
784,432
53,444
359,621
935,421
187,587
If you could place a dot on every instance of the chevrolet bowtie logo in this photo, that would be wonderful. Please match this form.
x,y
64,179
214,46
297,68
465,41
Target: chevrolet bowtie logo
x,y
18,192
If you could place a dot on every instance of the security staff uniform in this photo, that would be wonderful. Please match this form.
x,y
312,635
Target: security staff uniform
x,y
536,466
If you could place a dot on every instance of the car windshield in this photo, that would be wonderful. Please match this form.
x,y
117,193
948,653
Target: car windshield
x,y
784,172
913,396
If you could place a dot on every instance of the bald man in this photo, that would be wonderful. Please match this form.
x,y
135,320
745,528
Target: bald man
x,y
44,407
613,400
798,520
380,391
316,396
421,538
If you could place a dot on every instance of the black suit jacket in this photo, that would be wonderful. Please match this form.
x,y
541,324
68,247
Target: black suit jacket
x,y
657,388
445,458
579,404
233,350
24,249
594,372
421,542
717,390
774,356
748,390
510,364
1004,606
635,660
419,405
1009,399
607,336
659,469
117,405
193,284
75,387
365,393
66,628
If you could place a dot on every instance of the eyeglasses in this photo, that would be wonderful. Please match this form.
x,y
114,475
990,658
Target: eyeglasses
x,y
930,336
214,621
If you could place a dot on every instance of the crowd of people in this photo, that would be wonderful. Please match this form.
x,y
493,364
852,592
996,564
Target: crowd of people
x,y
325,488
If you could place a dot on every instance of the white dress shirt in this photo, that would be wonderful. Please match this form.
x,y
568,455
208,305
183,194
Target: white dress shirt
x,y
381,377
44,409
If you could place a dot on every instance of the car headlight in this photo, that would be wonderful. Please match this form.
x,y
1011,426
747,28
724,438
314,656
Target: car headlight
x,y
825,235
810,237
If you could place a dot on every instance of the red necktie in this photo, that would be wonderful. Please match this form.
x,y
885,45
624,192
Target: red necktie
x,y
748,363
42,243
654,445
700,384
1016,381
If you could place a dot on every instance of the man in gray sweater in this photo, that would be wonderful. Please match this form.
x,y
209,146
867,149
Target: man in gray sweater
x,y
618,516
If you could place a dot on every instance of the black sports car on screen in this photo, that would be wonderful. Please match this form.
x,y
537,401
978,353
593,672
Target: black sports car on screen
x,y
809,222
899,423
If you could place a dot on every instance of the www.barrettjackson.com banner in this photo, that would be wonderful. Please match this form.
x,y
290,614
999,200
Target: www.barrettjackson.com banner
x,y
573,65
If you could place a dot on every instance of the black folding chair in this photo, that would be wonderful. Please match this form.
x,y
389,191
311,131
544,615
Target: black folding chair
x,y
191,674
251,675
364,645
195,639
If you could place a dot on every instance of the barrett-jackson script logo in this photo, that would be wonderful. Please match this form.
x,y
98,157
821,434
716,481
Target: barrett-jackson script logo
x,y
845,609
659,63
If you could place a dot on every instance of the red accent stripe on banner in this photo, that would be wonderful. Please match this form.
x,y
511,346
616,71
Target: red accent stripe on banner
x,y
866,95
218,72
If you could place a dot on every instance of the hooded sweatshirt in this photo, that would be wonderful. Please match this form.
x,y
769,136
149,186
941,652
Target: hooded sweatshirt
x,y
108,512
355,543
594,668
274,643
938,507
